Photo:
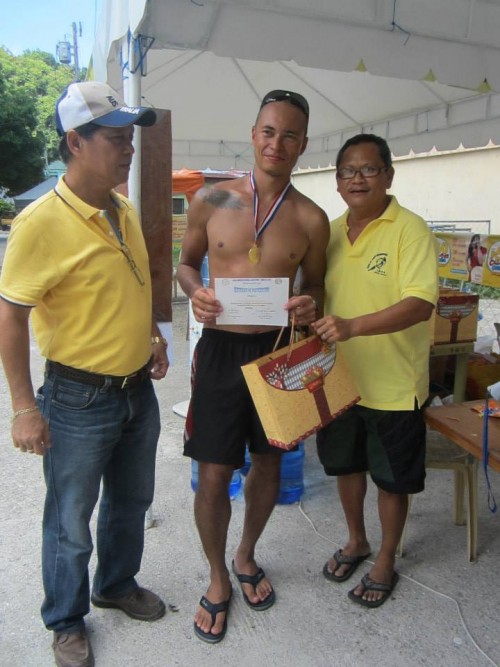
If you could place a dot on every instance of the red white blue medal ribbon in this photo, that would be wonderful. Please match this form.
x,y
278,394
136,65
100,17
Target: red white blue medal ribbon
x,y
254,252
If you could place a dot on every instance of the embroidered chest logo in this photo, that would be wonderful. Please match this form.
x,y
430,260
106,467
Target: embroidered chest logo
x,y
377,263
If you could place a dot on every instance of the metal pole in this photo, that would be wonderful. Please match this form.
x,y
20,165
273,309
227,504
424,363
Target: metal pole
x,y
133,99
75,52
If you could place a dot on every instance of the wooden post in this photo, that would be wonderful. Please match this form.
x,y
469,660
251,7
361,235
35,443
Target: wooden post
x,y
156,211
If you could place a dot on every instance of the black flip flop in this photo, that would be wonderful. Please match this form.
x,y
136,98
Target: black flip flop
x,y
253,580
370,585
213,610
343,559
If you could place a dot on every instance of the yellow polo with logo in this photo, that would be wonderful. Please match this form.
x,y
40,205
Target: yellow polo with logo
x,y
393,258
89,309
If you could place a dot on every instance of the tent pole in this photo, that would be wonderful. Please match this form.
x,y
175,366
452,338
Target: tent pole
x,y
131,75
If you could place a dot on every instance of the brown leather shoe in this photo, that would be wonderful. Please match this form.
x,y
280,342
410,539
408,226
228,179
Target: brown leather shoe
x,y
72,650
141,604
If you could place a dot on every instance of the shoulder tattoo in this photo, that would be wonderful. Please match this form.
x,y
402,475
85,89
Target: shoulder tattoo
x,y
222,199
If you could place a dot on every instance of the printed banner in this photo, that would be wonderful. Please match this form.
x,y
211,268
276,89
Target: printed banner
x,y
473,258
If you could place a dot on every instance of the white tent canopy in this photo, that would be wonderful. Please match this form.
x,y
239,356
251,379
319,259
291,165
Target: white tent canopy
x,y
421,73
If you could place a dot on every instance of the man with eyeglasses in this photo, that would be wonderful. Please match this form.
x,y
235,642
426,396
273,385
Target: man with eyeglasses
x,y
76,262
257,226
381,288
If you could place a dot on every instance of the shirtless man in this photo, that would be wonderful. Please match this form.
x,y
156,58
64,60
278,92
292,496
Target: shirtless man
x,y
253,227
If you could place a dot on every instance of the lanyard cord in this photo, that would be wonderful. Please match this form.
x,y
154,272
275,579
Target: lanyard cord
x,y
116,229
273,209
491,498
124,249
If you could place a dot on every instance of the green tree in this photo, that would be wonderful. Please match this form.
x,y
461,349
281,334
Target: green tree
x,y
46,79
29,87
21,151
7,208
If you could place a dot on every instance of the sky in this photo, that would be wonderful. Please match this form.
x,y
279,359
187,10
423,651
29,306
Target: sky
x,y
43,23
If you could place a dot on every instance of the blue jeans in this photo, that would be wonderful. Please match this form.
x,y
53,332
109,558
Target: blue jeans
x,y
106,434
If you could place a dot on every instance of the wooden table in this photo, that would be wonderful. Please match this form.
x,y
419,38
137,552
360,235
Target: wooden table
x,y
461,352
463,426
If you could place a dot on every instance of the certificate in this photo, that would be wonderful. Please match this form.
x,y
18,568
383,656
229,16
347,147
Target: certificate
x,y
252,300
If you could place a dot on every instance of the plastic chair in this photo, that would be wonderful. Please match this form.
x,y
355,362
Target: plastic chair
x,y
444,454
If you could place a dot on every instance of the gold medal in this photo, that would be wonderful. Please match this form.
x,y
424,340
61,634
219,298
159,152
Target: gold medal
x,y
254,254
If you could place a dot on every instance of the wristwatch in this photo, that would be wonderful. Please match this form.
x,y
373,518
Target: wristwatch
x,y
158,339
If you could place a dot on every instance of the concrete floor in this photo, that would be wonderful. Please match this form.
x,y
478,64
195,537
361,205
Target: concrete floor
x,y
443,612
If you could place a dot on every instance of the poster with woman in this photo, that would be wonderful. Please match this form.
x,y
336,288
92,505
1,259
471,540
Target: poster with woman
x,y
471,258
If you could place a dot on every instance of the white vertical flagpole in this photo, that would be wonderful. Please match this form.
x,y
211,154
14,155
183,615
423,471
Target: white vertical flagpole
x,y
131,76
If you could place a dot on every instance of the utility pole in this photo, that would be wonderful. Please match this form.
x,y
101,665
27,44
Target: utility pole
x,y
65,50
75,50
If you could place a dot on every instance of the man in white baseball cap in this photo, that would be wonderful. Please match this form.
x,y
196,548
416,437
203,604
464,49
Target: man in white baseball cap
x,y
77,263
95,102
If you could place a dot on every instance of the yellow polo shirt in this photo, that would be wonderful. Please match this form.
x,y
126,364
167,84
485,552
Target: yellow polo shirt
x,y
64,260
395,257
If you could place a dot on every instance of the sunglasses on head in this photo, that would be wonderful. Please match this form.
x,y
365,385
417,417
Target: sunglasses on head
x,y
284,96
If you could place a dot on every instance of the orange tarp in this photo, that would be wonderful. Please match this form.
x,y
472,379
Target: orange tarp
x,y
184,181
187,182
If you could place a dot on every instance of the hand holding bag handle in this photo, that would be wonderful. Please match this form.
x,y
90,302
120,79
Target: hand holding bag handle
x,y
313,380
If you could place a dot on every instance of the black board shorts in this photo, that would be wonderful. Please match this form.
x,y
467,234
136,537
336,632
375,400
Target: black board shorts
x,y
221,418
388,444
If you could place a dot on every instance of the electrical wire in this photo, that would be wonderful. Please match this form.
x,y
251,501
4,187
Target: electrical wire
x,y
418,583
396,26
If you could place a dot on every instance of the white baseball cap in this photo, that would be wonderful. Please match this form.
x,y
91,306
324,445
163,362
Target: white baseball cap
x,y
96,102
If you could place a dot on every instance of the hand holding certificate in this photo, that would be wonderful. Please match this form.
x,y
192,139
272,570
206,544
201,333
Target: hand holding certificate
x,y
252,300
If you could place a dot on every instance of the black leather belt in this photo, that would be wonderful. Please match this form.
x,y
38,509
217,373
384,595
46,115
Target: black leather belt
x,y
97,380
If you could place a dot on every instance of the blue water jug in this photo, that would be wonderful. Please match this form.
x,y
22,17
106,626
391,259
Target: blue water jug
x,y
291,475
234,486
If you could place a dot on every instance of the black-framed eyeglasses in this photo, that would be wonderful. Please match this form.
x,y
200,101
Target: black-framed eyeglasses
x,y
287,95
366,172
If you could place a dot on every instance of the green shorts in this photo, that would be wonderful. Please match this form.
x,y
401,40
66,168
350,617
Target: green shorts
x,y
390,445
